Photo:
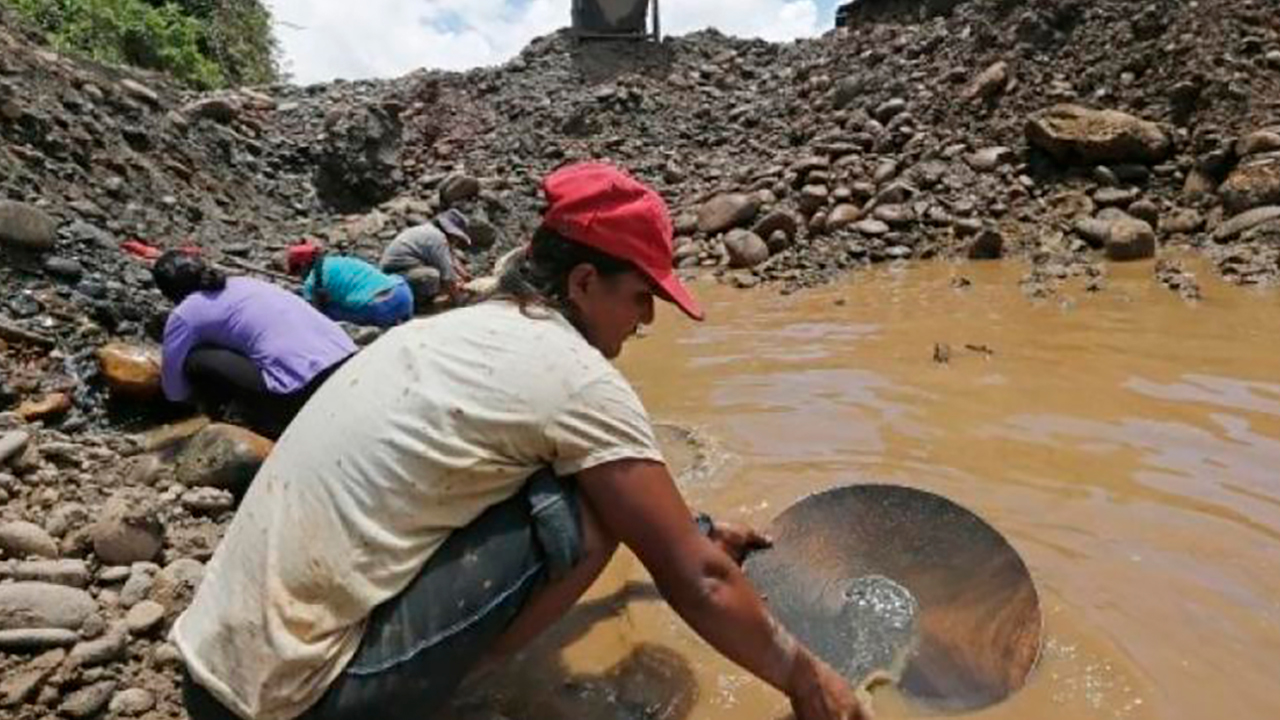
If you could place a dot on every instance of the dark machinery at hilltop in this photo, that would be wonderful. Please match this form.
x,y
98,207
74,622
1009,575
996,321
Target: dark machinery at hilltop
x,y
616,19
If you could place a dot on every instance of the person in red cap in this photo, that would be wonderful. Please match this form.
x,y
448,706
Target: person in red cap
x,y
459,484
349,289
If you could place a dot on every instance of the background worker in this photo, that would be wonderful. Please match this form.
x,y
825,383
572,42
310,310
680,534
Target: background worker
x,y
242,340
349,289
424,256
462,482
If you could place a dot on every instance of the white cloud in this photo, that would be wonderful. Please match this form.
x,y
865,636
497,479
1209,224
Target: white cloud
x,y
353,39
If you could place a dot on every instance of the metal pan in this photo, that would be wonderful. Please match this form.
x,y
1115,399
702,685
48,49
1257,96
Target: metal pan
x,y
889,579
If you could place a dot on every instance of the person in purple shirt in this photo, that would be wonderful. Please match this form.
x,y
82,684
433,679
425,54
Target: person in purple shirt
x,y
243,340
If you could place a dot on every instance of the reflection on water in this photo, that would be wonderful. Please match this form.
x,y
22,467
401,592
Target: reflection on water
x,y
1127,443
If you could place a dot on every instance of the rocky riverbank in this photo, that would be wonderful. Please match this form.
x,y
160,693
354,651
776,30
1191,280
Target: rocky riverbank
x,y
1067,134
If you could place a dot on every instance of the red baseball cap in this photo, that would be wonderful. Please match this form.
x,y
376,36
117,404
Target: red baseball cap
x,y
301,255
600,206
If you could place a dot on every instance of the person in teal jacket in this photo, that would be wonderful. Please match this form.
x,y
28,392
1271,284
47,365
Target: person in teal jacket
x,y
349,289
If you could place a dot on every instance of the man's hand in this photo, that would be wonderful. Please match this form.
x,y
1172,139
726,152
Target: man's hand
x,y
738,541
819,693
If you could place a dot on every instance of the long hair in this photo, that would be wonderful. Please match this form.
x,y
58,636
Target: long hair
x,y
178,274
540,279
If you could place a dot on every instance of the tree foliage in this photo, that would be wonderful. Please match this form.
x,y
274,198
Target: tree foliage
x,y
205,43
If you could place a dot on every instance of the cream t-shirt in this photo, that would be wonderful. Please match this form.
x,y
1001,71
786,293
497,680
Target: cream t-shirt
x,y
411,439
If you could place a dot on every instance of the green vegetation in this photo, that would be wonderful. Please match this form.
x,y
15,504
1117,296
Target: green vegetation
x,y
205,43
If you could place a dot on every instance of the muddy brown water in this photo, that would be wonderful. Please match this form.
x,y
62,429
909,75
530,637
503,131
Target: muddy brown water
x,y
1127,443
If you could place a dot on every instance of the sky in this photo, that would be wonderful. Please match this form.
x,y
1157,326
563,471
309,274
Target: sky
x,y
355,39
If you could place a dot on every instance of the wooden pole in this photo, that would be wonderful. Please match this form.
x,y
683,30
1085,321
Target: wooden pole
x,y
657,23
246,265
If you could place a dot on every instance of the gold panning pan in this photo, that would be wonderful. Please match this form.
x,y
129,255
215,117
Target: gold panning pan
x,y
883,579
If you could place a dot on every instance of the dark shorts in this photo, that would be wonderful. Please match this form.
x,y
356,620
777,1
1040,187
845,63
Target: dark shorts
x,y
420,645
390,307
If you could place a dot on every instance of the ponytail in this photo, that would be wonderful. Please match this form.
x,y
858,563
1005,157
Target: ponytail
x,y
178,274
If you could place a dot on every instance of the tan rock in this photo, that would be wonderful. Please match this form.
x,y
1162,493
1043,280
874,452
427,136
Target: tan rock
x,y
989,83
1130,239
725,212
130,370
22,684
25,605
26,226
843,216
1075,134
745,248
128,530
44,407
1251,185
20,539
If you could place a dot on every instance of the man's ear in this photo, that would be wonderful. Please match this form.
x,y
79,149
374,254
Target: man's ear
x,y
580,281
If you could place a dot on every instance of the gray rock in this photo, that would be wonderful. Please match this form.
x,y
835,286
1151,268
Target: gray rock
x,y
138,586
1245,221
1077,135
222,456
1115,196
871,227
1273,59
21,539
139,91
64,268
26,227
988,159
12,443
132,702
112,574
1145,210
36,639
72,573
219,109
847,90
65,518
176,583
842,216
208,500
894,215
83,232
1095,231
128,530
745,248
777,221
21,685
144,617
357,157
1256,143
25,605
1131,239
457,188
88,701
890,108
725,212
106,649
813,198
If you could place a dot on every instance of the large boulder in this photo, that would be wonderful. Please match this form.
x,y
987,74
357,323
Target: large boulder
x,y
725,212
222,456
42,605
130,370
26,227
1252,185
359,157
1073,134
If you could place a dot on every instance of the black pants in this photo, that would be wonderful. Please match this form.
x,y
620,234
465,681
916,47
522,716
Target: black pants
x,y
224,377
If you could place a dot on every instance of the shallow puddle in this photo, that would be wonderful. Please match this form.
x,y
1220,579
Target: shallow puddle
x,y
1127,443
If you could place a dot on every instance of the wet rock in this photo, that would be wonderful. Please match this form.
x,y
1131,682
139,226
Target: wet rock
x,y
777,221
26,227
725,212
106,649
44,407
358,157
33,605
1077,135
745,248
36,639
989,83
1130,239
130,371
132,702
1246,221
88,701
144,617
72,573
842,216
456,188
128,530
222,456
22,684
1252,185
20,539
989,245
988,159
